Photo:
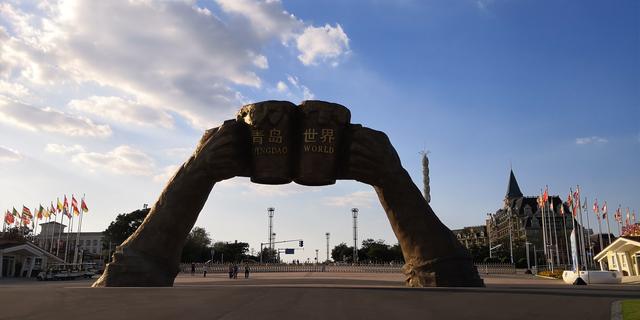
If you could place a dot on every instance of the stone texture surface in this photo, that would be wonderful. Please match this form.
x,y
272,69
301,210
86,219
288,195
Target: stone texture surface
x,y
150,257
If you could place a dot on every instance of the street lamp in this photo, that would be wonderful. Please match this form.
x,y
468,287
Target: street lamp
x,y
354,213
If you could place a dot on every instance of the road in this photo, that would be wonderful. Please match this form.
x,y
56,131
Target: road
x,y
311,296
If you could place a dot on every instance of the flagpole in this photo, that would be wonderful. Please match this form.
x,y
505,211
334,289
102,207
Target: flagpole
x,y
608,228
555,231
75,254
66,245
586,208
582,246
564,224
544,232
574,261
59,234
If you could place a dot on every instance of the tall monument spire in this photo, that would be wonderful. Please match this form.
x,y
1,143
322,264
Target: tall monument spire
x,y
513,190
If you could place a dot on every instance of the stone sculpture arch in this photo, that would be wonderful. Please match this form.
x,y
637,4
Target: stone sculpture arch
x,y
150,256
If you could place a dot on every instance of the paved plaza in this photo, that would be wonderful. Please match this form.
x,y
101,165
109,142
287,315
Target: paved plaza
x,y
312,295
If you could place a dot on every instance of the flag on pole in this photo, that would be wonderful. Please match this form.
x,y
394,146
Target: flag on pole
x,y
66,212
562,209
60,206
8,218
545,195
26,212
604,210
65,204
40,212
596,209
52,210
74,206
83,206
628,216
46,213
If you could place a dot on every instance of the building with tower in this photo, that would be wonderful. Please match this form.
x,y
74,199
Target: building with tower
x,y
522,224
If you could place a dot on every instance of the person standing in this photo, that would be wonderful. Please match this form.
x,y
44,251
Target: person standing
x,y
246,271
193,268
235,271
230,271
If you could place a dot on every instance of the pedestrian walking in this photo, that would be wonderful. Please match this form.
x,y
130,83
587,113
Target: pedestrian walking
x,y
235,271
193,269
246,271
230,271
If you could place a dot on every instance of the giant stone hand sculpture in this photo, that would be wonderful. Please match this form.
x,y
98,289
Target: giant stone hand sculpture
x,y
150,257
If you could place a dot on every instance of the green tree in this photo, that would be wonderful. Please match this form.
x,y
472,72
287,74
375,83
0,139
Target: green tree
x,y
375,251
124,225
197,246
342,252
232,252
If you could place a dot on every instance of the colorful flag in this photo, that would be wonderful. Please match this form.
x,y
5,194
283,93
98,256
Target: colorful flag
x,y
562,209
604,210
60,206
46,213
26,212
66,212
8,218
15,212
74,206
65,204
40,213
545,195
83,206
52,210
596,209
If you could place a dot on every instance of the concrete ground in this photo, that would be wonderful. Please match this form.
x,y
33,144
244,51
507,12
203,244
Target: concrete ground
x,y
311,296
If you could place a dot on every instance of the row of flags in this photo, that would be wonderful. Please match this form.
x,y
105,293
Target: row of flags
x,y
41,213
574,203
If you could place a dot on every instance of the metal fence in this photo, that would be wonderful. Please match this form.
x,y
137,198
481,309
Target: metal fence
x,y
483,268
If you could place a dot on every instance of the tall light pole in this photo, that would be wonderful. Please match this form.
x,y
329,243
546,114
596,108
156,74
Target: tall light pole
x,y
327,234
270,212
354,213
316,256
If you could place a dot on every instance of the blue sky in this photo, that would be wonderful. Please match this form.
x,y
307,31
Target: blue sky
x,y
92,102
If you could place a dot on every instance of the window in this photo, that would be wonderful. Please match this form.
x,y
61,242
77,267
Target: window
x,y
95,242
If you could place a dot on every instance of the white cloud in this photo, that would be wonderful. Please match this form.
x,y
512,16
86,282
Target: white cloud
x,y
124,160
261,62
363,199
63,149
124,111
185,60
591,140
282,87
305,91
322,43
14,90
35,119
9,155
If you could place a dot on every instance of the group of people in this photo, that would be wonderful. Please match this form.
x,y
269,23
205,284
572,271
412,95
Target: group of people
x,y
233,271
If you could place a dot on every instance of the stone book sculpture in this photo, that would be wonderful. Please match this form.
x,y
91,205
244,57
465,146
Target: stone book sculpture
x,y
276,142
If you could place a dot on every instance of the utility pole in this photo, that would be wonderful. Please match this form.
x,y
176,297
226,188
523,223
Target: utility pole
x,y
327,234
354,213
270,212
316,256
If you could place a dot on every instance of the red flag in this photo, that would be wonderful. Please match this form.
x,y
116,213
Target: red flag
x,y
74,205
604,210
596,208
8,218
52,210
65,204
545,195
83,206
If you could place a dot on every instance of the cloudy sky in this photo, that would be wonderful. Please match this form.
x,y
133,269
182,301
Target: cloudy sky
x,y
106,98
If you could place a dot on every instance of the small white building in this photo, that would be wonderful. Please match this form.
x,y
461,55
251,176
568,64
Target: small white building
x,y
23,259
622,255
